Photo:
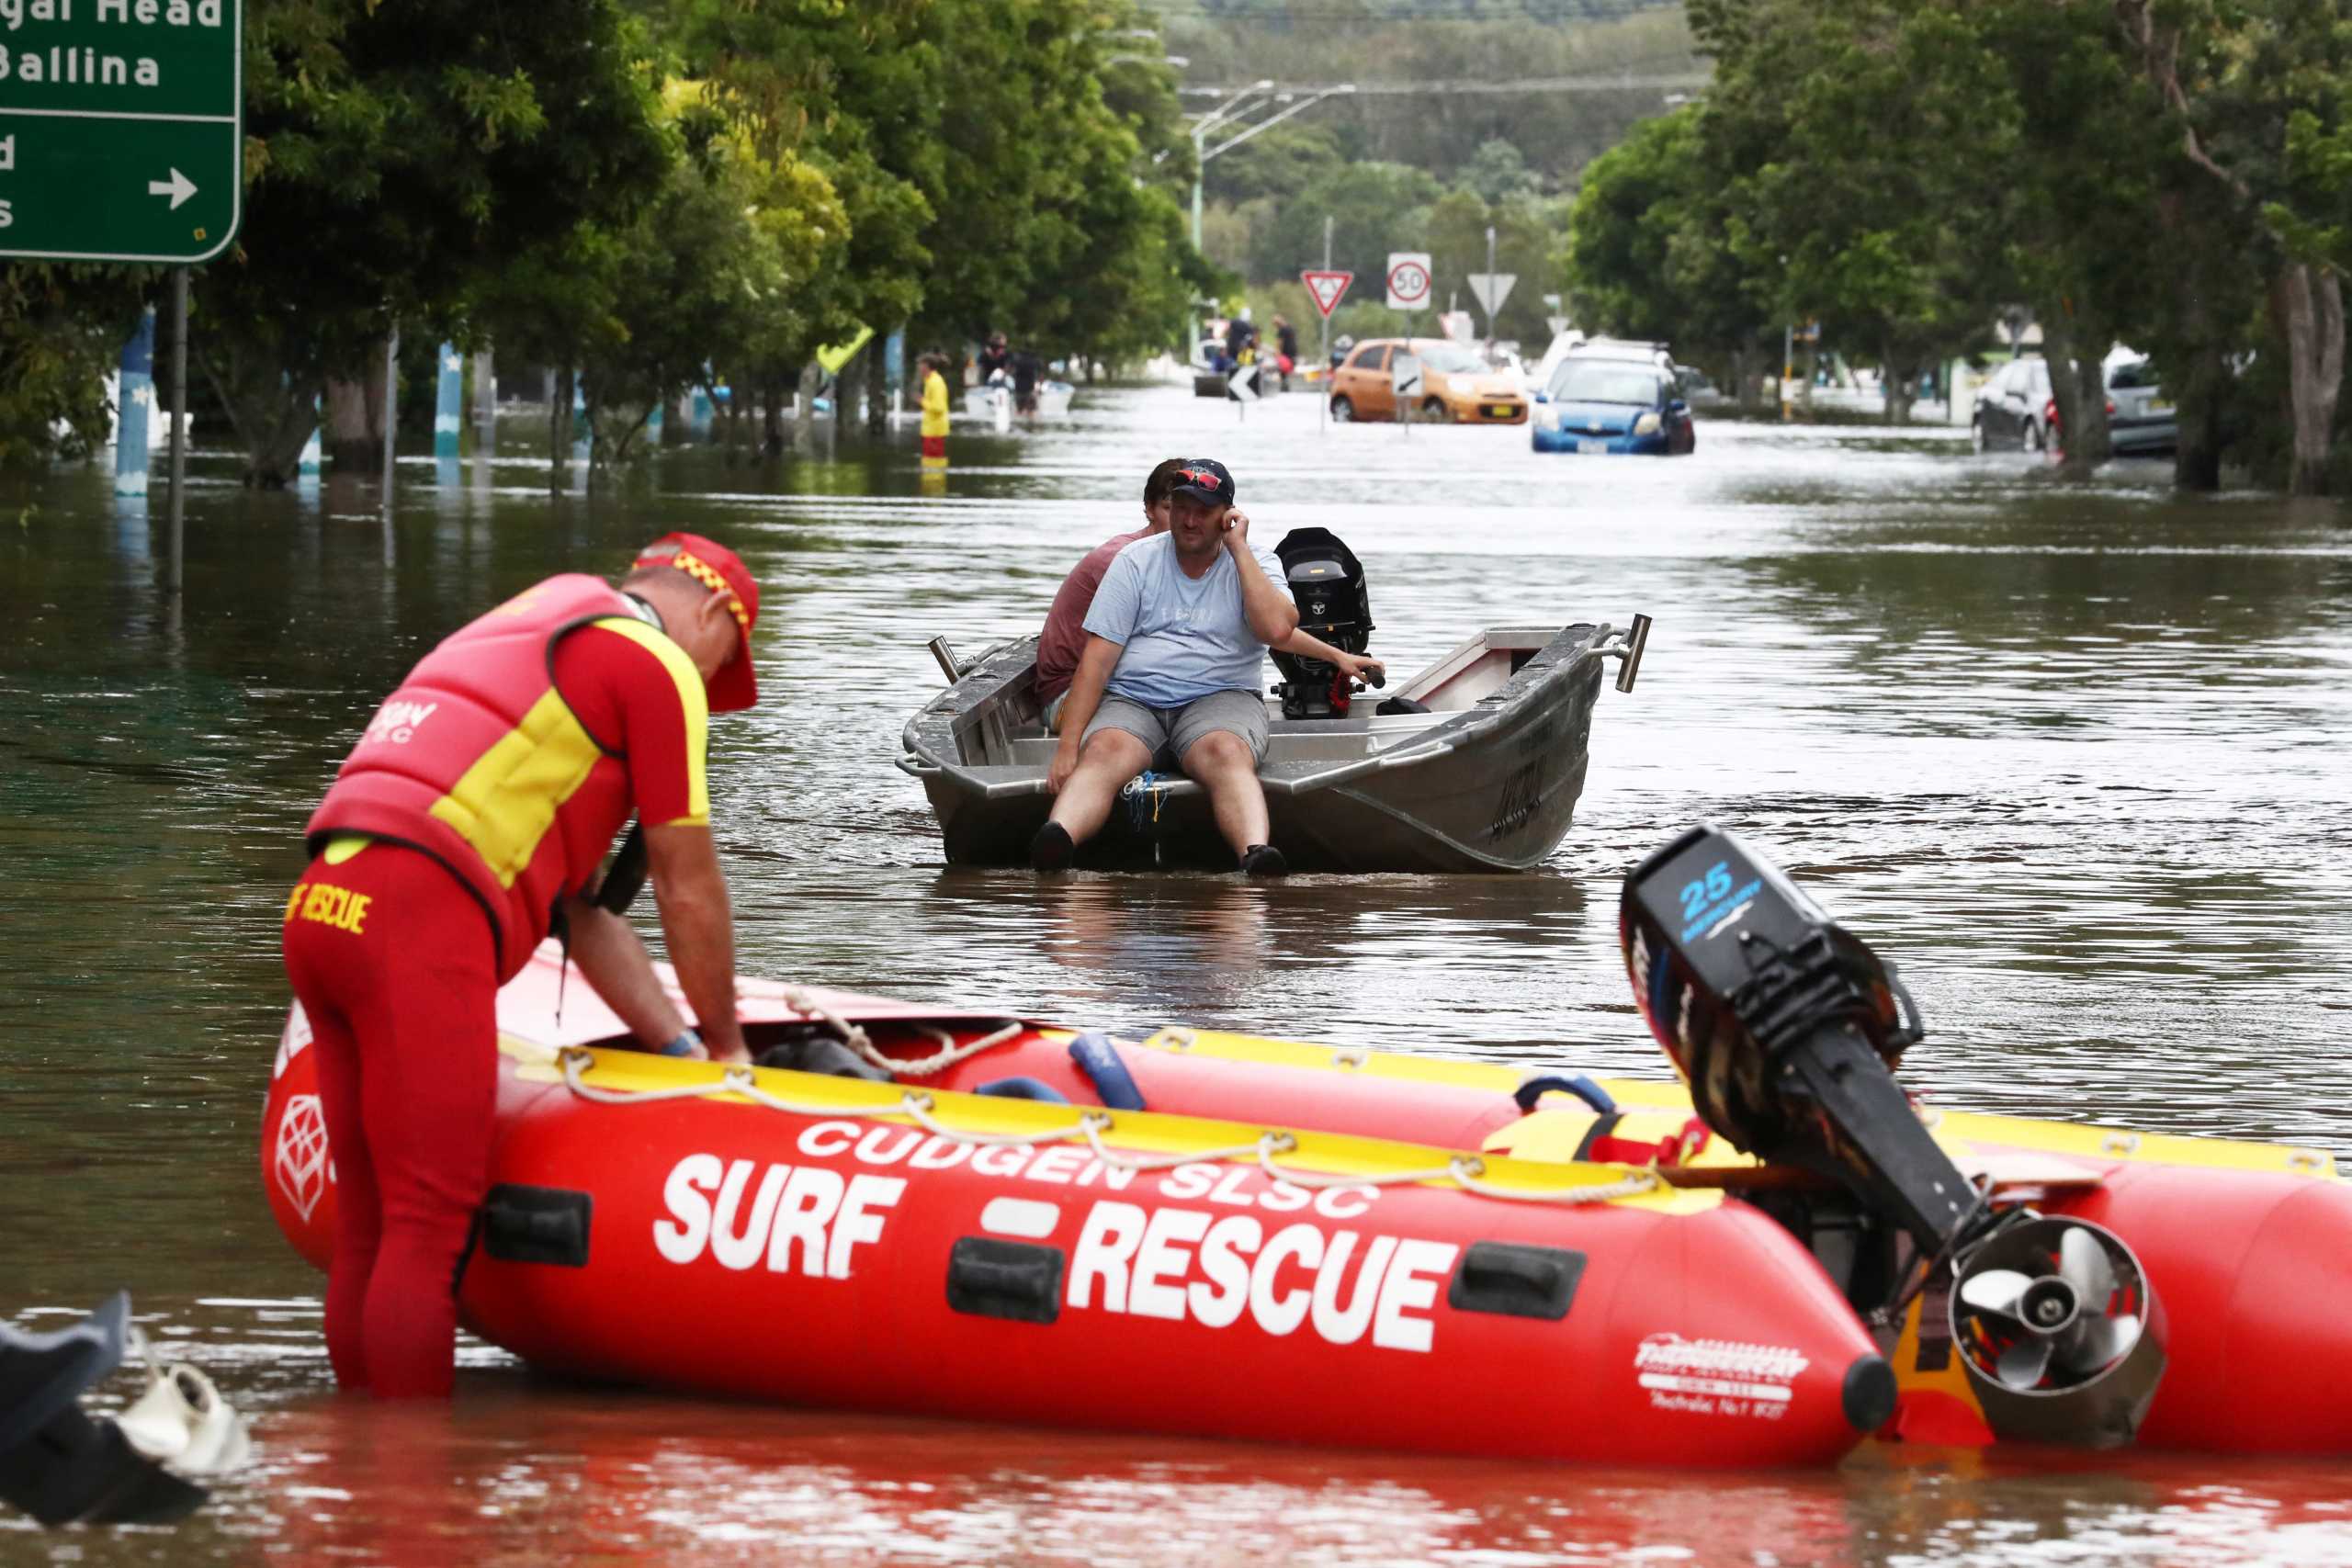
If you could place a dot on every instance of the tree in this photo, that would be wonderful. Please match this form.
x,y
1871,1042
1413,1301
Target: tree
x,y
1279,163
851,93
1376,208
2254,96
1650,253
62,329
396,156
1498,174
1854,129
705,273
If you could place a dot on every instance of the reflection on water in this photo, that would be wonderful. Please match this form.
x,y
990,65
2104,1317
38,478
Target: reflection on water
x,y
2073,755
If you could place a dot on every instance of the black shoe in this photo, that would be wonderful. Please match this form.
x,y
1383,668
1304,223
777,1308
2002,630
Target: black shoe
x,y
1263,860
1051,849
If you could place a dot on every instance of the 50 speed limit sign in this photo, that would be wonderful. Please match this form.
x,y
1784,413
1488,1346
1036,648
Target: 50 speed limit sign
x,y
1409,280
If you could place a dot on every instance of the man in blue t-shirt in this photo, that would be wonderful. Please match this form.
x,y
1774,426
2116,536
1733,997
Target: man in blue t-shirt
x,y
1175,641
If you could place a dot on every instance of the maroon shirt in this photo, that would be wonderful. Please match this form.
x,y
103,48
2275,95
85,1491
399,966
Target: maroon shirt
x,y
1064,637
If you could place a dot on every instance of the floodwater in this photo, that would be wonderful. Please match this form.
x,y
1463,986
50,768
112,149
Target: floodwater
x,y
2075,756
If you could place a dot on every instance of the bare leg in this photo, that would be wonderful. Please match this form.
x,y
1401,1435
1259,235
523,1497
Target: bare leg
x,y
1220,763
1108,760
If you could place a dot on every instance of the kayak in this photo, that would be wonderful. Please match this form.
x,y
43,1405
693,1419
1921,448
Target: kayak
x,y
1224,1235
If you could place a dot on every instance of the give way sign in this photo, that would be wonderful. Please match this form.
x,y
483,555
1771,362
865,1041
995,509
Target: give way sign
x,y
1409,280
1328,287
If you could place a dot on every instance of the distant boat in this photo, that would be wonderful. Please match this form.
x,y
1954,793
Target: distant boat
x,y
1053,399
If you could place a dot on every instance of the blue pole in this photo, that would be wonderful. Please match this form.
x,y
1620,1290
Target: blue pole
x,y
449,402
134,406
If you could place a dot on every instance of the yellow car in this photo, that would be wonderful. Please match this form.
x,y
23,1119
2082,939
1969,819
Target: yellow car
x,y
1454,385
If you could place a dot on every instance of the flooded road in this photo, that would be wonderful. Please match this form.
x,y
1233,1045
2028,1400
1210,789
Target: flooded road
x,y
2079,758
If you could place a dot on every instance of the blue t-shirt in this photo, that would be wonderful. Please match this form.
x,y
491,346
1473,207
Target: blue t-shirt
x,y
1181,638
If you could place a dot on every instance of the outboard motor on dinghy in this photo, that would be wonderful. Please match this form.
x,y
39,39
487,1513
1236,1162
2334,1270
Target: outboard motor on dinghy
x,y
1327,581
1788,1028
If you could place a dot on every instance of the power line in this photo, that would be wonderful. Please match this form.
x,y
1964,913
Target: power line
x,y
1477,85
1427,11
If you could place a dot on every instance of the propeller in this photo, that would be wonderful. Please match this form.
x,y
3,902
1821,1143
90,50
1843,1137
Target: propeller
x,y
2045,1308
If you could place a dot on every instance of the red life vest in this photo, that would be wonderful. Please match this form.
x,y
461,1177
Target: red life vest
x,y
477,760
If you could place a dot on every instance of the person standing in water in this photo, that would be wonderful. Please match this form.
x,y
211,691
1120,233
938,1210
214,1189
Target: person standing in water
x,y
467,825
934,410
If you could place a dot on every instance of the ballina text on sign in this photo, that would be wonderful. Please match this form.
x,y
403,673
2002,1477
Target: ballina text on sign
x,y
77,66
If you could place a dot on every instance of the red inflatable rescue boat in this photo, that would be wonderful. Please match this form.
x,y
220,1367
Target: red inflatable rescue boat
x,y
827,1241
1226,1235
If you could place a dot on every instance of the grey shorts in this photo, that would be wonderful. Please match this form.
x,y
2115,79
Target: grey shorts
x,y
1170,732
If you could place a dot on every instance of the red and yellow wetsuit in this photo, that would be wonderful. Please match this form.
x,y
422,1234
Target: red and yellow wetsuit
x,y
486,789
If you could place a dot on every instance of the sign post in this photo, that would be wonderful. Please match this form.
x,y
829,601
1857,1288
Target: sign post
x,y
1408,290
122,139
1326,285
1490,289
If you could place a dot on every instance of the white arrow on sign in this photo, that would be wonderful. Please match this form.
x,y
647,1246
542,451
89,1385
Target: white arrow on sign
x,y
179,187
1491,288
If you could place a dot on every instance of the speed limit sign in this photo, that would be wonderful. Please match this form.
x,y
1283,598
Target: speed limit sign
x,y
1409,280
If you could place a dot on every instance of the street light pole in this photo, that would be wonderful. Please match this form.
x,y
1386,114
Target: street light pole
x,y
1227,112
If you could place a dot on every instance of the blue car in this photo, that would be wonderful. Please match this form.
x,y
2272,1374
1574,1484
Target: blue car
x,y
1613,405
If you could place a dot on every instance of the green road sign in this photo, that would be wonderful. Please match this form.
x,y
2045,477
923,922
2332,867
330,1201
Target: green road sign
x,y
121,128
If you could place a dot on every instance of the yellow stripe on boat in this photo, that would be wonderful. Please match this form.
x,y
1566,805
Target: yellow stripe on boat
x,y
1954,1129
1138,1132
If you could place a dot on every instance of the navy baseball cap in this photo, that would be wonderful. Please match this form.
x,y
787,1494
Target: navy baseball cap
x,y
1204,479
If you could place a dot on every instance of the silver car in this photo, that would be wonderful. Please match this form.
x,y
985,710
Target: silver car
x,y
2142,421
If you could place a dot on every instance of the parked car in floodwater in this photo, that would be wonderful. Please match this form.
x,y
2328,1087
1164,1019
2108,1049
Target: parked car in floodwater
x,y
2017,408
1598,404
2140,419
1457,385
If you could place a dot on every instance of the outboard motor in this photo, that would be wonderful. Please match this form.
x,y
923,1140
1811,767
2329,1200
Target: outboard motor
x,y
1327,581
1788,1028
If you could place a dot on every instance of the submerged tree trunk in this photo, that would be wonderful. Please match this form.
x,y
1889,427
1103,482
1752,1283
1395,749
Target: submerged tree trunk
x,y
772,424
1898,377
272,412
878,400
849,388
2196,461
2307,305
1747,382
353,436
2081,394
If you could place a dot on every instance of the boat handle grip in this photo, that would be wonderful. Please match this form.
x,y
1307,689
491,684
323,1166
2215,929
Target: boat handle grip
x,y
1583,1087
913,769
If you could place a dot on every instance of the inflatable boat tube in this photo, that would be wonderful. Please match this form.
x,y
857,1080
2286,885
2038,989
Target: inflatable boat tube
x,y
843,1244
2247,1245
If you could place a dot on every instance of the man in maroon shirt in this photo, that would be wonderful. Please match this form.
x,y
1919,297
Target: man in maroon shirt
x,y
1064,637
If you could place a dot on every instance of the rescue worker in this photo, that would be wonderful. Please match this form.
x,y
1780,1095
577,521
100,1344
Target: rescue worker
x,y
468,822
934,410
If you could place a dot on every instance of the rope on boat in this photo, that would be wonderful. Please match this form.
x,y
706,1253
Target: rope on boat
x,y
1465,1171
856,1039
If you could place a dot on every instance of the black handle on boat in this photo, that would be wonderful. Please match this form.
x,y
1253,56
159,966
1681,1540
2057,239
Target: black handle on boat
x,y
1583,1087
947,657
1636,639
